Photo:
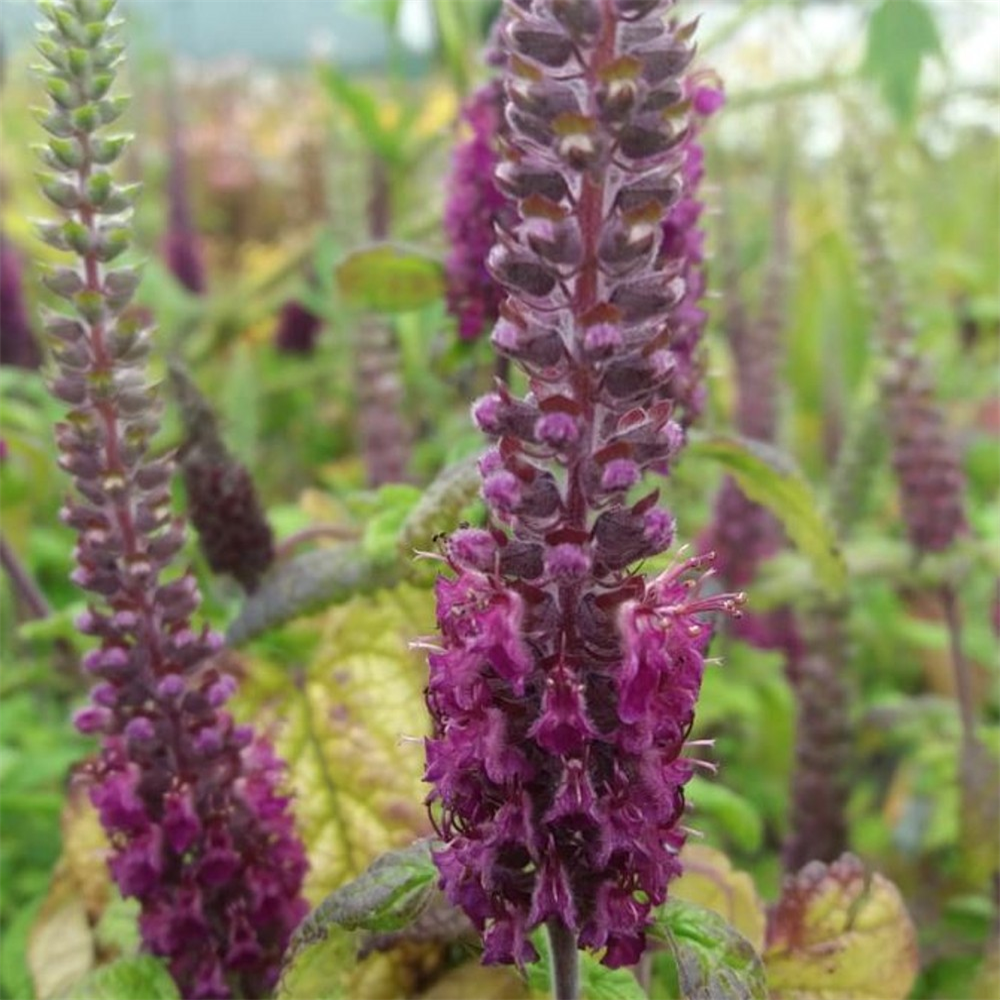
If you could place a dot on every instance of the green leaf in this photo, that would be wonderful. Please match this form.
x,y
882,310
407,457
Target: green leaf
x,y
139,976
391,893
901,34
306,584
361,107
770,478
389,278
458,41
320,971
736,815
706,959
15,976
597,982
393,504
387,896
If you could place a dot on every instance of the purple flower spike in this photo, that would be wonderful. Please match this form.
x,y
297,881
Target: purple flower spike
x,y
182,249
563,686
683,237
201,835
475,204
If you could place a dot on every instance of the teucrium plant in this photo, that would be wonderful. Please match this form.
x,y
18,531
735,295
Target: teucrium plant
x,y
199,833
563,683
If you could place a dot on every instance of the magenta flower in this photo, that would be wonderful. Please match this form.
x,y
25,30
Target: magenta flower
x,y
563,684
200,832
474,206
684,238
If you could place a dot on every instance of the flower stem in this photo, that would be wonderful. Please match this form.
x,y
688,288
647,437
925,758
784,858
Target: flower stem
x,y
960,665
565,961
33,600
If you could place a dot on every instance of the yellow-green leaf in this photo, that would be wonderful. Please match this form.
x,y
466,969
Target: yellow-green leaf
x,y
389,278
839,934
352,723
710,880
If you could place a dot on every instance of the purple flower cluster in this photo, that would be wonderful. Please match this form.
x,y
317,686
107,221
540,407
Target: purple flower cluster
x,y
563,684
474,205
684,238
200,834
182,249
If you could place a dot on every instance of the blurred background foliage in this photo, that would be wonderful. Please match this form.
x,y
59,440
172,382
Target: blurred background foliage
x,y
300,122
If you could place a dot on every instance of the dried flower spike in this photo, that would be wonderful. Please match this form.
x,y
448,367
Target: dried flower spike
x,y
200,834
563,685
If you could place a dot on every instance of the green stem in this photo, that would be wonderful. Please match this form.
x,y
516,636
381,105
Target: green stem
x,y
960,665
34,604
565,961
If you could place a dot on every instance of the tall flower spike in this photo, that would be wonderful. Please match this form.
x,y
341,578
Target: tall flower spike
x,y
474,206
200,834
182,248
565,684
926,462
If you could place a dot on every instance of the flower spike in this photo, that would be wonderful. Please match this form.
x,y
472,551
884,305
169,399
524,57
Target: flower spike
x,y
563,692
201,835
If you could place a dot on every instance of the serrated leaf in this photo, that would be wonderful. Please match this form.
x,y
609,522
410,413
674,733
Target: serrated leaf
x,y
901,34
126,979
387,896
710,880
323,961
706,958
838,934
388,278
770,478
307,584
